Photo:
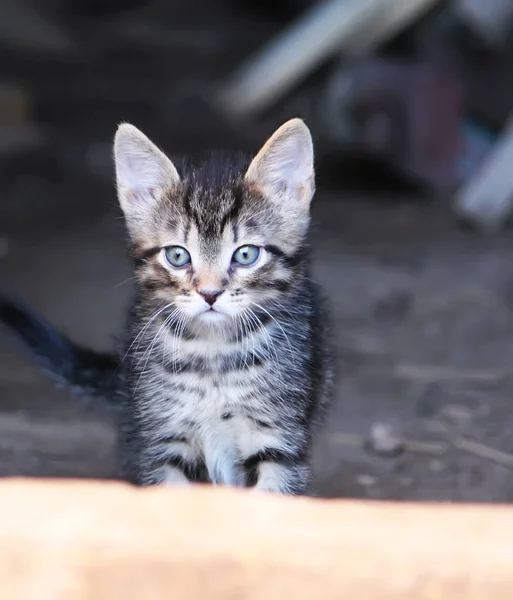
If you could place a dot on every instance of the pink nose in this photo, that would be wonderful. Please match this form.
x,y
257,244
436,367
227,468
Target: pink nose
x,y
210,296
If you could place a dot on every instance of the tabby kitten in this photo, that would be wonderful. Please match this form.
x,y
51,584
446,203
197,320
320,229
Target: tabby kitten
x,y
225,364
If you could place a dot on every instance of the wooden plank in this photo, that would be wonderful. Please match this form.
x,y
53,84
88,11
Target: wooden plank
x,y
487,198
329,27
86,541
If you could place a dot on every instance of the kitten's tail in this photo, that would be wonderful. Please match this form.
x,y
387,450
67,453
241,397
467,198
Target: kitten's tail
x,y
87,373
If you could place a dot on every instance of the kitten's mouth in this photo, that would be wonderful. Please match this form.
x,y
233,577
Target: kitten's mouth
x,y
212,312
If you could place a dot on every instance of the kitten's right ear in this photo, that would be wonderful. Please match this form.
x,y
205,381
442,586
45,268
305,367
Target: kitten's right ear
x,y
143,172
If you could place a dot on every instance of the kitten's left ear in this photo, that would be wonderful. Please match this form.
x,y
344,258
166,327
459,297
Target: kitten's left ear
x,y
143,173
284,167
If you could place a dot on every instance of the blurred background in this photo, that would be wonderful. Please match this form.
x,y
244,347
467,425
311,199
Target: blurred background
x,y
409,104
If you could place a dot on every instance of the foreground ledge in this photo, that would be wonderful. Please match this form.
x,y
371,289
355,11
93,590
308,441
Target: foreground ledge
x,y
79,540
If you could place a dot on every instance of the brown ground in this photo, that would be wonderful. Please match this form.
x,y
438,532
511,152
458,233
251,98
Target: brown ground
x,y
422,309
423,318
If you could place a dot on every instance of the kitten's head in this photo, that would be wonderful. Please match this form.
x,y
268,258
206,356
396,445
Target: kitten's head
x,y
219,241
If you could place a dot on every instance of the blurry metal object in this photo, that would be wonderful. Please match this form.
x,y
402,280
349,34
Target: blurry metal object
x,y
24,26
354,26
477,141
409,114
483,71
491,20
487,199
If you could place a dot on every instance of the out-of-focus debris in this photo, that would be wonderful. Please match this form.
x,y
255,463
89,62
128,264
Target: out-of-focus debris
x,y
436,466
22,25
394,307
487,199
421,447
446,42
17,138
409,114
15,103
18,133
489,19
354,440
387,443
468,294
327,28
364,344
435,373
457,413
384,440
499,457
366,480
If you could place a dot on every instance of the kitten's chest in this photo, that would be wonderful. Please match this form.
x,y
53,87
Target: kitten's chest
x,y
210,398
222,415
213,382
218,401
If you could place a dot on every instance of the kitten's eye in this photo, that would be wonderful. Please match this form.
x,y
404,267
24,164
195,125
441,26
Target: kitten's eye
x,y
246,255
177,256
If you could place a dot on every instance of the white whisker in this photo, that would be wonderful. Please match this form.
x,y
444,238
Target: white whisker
x,y
278,324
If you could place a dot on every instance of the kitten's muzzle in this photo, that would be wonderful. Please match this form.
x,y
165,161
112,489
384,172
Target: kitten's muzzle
x,y
210,296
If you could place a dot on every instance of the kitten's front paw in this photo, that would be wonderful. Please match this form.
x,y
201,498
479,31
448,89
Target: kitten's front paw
x,y
174,476
279,479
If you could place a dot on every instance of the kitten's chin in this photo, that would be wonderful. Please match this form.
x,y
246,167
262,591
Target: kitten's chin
x,y
213,316
211,323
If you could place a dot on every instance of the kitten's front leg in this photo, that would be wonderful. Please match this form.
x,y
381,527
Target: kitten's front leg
x,y
164,474
174,476
282,474
222,462
170,461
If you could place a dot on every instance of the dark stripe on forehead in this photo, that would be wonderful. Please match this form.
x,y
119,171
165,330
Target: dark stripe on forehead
x,y
234,211
186,231
187,200
190,211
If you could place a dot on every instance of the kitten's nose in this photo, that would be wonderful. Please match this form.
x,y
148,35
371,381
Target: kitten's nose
x,y
210,296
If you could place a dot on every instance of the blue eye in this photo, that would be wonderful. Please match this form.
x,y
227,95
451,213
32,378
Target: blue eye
x,y
245,256
177,256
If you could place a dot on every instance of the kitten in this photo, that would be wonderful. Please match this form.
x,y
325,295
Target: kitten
x,y
226,363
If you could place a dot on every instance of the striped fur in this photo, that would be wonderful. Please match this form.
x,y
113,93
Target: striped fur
x,y
227,392
228,398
